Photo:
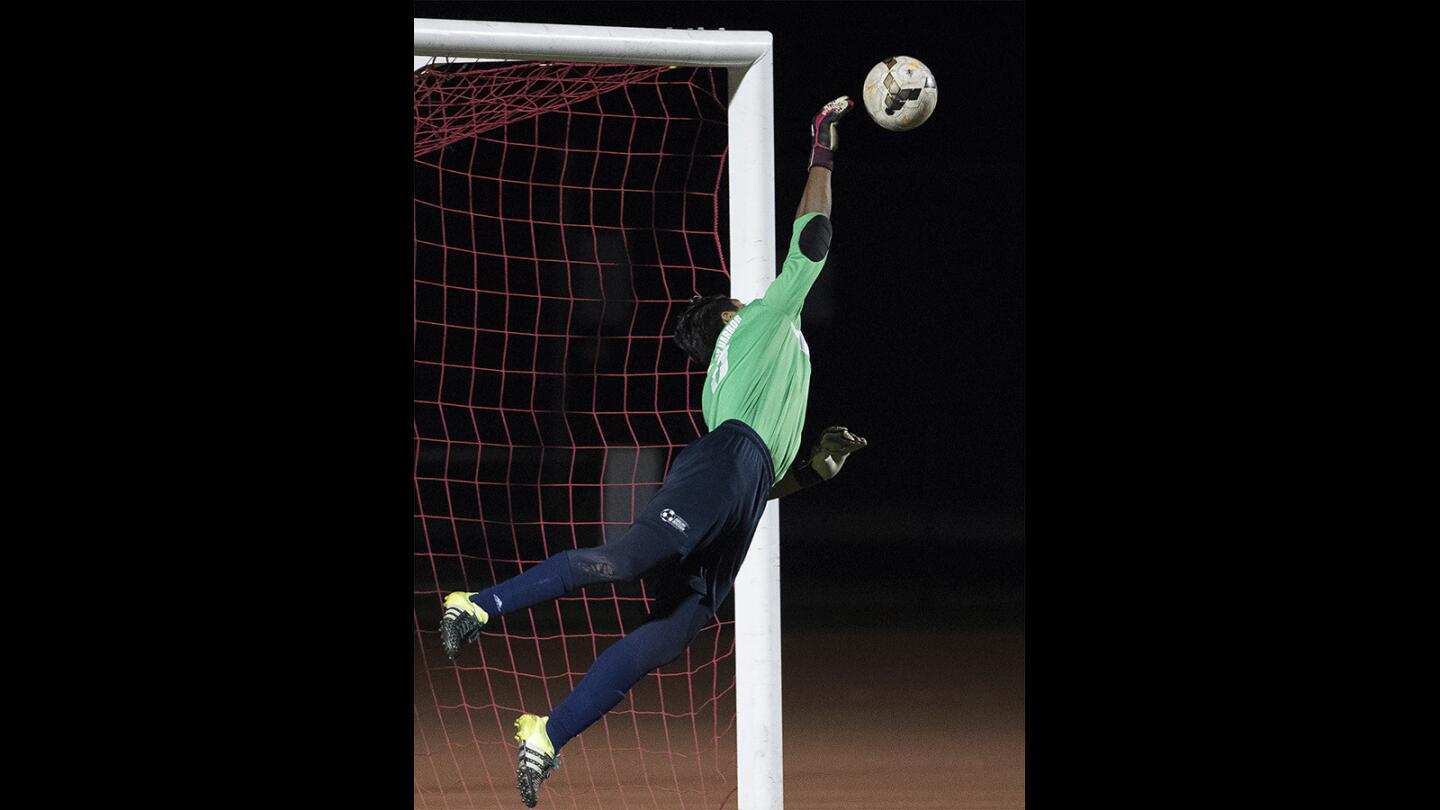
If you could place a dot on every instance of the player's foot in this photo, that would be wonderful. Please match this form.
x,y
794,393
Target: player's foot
x,y
461,623
822,126
537,757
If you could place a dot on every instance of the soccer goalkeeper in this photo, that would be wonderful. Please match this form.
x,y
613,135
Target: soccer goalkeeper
x,y
698,527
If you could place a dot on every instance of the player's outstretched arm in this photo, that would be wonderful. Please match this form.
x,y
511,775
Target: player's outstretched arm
x,y
824,141
824,462
810,241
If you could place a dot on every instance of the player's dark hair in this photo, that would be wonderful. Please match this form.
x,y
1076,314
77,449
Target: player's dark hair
x,y
699,325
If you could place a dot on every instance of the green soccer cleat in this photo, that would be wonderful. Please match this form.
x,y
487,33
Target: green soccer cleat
x,y
537,757
461,623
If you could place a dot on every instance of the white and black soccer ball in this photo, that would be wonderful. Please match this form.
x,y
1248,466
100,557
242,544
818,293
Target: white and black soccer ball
x,y
900,93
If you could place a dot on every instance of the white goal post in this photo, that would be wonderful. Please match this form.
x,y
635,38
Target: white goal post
x,y
747,58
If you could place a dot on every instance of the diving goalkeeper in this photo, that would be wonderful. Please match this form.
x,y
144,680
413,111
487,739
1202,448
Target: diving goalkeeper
x,y
697,529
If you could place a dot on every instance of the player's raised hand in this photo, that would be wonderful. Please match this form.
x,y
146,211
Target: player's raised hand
x,y
824,138
822,126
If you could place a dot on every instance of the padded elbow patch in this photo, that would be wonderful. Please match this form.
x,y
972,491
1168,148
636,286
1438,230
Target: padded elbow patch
x,y
815,238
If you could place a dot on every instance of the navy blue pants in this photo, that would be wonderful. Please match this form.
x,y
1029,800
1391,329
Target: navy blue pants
x,y
695,531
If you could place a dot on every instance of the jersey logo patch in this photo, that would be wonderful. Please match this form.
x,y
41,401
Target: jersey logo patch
x,y
675,520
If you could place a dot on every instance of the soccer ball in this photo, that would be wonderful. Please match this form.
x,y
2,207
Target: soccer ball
x,y
900,93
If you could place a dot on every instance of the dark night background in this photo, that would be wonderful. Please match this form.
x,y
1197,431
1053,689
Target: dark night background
x,y
917,325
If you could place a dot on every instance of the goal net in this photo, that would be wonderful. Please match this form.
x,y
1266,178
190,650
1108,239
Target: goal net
x,y
564,214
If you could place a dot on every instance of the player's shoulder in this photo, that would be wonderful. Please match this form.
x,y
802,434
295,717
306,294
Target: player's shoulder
x,y
754,312
757,308
765,315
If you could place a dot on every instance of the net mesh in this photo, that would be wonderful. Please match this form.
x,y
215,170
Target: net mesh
x,y
564,215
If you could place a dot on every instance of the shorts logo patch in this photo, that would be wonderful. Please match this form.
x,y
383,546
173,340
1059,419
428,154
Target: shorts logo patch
x,y
673,519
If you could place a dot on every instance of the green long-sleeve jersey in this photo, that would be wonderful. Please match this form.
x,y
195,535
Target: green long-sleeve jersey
x,y
760,368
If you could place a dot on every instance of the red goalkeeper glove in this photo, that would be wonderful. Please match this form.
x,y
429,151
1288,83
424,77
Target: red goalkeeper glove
x,y
824,140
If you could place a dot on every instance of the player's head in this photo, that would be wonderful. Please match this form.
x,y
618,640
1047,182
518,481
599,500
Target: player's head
x,y
701,322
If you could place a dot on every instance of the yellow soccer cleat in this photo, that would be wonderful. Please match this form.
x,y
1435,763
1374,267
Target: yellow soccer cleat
x,y
461,623
537,757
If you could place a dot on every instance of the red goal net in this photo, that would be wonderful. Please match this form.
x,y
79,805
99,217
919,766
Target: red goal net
x,y
564,215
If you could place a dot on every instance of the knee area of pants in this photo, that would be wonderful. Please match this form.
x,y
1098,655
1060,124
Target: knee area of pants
x,y
662,654
595,564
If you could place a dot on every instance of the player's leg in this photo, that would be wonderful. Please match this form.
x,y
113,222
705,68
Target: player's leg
x,y
622,665
689,510
643,548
